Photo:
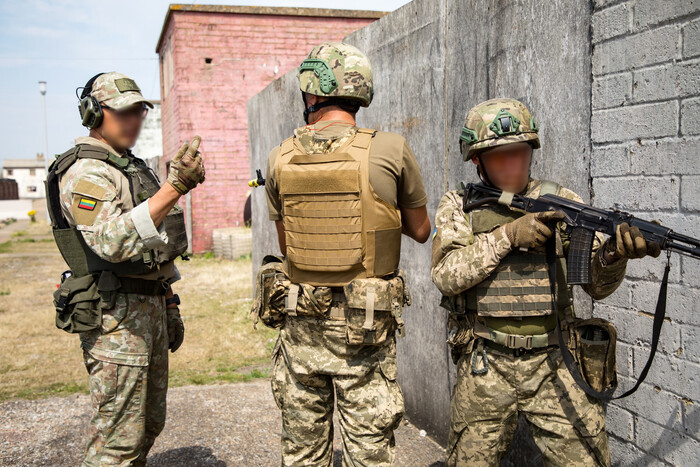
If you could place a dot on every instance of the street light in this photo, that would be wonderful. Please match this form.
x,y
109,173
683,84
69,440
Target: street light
x,y
42,90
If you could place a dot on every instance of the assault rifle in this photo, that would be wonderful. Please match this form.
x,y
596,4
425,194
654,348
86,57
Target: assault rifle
x,y
582,222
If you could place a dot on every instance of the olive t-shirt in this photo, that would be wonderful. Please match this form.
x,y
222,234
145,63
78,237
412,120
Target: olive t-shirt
x,y
394,174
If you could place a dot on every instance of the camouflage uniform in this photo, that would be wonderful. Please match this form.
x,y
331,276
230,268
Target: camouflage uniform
x,y
315,366
496,384
127,359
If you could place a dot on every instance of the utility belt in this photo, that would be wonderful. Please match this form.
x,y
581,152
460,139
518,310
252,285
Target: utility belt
x,y
371,307
80,301
591,342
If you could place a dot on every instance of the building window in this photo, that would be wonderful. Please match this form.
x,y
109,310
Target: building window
x,y
32,172
9,172
31,189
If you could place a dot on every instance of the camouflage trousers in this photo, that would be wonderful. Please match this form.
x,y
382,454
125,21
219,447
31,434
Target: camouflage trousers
x,y
314,369
128,365
567,426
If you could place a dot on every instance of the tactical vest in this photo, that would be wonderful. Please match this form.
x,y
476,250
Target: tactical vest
x,y
520,285
336,227
142,184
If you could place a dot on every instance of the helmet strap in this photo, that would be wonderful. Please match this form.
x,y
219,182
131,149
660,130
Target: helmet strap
x,y
318,106
481,171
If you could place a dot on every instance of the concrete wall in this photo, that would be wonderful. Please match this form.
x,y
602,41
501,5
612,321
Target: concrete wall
x,y
433,60
646,141
211,64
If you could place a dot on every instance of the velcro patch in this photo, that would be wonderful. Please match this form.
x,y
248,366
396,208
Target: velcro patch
x,y
126,84
88,204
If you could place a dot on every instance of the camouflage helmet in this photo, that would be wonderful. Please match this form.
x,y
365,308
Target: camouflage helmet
x,y
494,123
336,69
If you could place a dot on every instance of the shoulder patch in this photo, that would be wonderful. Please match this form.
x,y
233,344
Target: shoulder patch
x,y
91,190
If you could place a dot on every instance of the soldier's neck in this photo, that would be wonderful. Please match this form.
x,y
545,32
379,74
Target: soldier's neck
x,y
336,114
98,136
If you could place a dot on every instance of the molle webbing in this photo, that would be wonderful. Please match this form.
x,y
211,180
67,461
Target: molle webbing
x,y
336,227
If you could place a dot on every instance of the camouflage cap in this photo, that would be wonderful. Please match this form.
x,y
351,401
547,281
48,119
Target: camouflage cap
x,y
117,91
337,69
494,123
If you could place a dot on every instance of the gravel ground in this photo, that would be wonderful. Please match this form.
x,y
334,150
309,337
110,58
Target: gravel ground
x,y
234,424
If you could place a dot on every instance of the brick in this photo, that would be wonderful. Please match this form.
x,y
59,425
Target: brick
x,y
636,194
639,121
690,338
691,39
690,270
681,304
690,193
611,90
669,81
691,417
634,328
623,453
611,22
649,12
653,403
619,421
636,51
670,373
665,156
609,161
673,447
690,117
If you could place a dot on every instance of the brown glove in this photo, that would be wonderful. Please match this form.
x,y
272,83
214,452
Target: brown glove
x,y
176,329
629,243
187,168
531,231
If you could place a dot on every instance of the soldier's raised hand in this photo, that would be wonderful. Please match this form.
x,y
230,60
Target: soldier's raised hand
x,y
187,167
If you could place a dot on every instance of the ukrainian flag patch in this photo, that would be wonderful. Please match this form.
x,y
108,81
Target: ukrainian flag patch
x,y
87,204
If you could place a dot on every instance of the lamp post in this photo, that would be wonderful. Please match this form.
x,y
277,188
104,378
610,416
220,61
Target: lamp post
x,y
42,90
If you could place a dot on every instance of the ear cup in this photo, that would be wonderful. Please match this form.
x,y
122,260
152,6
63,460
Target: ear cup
x,y
90,112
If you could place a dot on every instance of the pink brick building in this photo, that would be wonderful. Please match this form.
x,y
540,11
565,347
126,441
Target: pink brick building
x,y
212,60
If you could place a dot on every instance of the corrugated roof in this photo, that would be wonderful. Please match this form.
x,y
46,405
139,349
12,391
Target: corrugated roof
x,y
22,164
265,10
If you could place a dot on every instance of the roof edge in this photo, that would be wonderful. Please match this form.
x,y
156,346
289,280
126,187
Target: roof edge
x,y
266,10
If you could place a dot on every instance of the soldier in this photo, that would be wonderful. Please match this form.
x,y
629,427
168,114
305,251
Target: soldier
x,y
119,232
341,196
491,267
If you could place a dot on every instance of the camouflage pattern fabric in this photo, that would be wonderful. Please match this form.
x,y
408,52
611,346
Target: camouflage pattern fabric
x,y
117,91
314,369
127,359
480,120
351,70
568,427
569,430
314,145
128,365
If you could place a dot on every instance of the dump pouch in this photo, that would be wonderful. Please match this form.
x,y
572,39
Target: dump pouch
x,y
77,303
592,342
374,308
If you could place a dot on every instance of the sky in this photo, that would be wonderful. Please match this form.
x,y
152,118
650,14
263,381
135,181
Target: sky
x,y
66,42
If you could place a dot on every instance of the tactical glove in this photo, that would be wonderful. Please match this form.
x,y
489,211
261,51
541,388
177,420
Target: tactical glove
x,y
629,243
176,329
530,230
187,168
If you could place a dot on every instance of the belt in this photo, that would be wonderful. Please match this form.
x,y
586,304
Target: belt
x,y
142,287
519,352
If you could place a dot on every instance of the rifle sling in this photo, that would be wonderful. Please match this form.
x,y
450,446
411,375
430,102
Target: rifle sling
x,y
572,366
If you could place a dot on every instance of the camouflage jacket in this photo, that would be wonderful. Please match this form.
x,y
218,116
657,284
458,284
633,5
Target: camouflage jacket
x,y
111,226
461,260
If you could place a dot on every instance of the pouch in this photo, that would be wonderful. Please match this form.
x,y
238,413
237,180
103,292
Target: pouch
x,y
592,342
375,308
77,303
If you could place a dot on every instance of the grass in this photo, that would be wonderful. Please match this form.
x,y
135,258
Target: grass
x,y
39,360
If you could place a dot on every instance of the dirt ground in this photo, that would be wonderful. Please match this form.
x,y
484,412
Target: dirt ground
x,y
230,424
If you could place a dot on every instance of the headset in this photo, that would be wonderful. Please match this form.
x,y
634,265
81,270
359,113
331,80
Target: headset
x,y
90,109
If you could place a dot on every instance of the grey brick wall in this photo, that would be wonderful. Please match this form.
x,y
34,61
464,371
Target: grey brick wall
x,y
645,159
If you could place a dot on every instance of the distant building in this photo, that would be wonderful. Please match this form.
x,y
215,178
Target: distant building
x,y
29,174
212,60
149,146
